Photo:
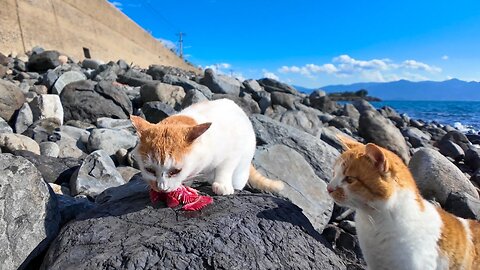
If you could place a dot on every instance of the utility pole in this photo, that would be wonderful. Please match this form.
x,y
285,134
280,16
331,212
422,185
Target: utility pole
x,y
180,43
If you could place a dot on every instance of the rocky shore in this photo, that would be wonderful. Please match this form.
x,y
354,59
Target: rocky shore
x,y
71,194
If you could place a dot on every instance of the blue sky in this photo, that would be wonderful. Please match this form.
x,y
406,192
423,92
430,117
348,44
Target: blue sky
x,y
317,43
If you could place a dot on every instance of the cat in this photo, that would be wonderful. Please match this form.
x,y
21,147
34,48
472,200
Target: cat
x,y
396,227
207,136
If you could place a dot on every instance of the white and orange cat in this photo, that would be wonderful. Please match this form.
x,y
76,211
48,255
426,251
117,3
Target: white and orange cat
x,y
208,136
396,227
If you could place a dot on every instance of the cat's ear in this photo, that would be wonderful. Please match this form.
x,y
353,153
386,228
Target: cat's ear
x,y
348,142
377,156
197,131
139,123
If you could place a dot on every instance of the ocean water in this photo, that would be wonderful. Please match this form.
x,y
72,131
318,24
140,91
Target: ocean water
x,y
464,115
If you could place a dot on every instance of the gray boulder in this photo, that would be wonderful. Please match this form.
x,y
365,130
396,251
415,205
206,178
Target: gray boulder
x,y
472,157
221,84
4,127
29,218
10,142
96,174
71,147
323,103
316,152
49,149
302,120
134,77
166,93
24,118
11,99
362,105
302,186
456,137
350,111
44,130
271,85
187,85
156,111
463,205
206,239
47,106
416,137
65,79
283,99
43,61
110,123
373,127
451,149
193,96
437,177
110,140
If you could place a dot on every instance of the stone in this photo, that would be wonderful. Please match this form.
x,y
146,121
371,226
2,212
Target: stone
x,y
416,137
58,189
107,72
11,99
473,138
96,174
29,218
363,105
24,118
43,61
271,85
451,149
248,105
283,99
375,128
323,103
193,96
128,172
252,86
316,152
71,147
208,239
437,177
10,142
436,133
4,127
71,207
221,84
110,123
47,106
156,111
49,149
350,111
76,133
134,77
301,120
457,137
110,140
91,63
168,94
345,122
86,101
302,186
53,170
44,130
65,79
472,157
463,205
187,85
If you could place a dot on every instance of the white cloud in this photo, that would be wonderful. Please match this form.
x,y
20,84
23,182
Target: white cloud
x,y
413,64
116,4
270,75
220,68
168,43
445,57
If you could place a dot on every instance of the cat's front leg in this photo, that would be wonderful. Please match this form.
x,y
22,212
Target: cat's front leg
x,y
222,185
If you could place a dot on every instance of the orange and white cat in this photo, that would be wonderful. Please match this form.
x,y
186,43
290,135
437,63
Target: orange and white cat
x,y
396,227
208,136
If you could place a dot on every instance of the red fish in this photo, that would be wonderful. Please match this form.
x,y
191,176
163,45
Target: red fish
x,y
185,195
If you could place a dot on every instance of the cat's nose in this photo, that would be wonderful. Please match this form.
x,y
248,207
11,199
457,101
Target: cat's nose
x,y
330,189
162,186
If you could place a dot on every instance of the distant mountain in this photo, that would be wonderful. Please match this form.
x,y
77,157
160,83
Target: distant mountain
x,y
453,89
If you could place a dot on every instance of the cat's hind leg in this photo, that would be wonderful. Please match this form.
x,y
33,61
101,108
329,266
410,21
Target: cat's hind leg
x,y
241,174
222,185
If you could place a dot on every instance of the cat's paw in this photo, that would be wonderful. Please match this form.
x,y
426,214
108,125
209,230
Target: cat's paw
x,y
222,189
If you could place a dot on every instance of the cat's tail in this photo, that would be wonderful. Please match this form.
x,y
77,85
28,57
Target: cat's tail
x,y
261,182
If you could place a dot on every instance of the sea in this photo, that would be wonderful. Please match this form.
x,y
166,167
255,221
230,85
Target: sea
x,y
463,115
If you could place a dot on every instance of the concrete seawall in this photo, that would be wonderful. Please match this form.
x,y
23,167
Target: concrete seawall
x,y
71,25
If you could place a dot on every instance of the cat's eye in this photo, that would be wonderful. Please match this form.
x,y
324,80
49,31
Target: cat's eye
x,y
349,179
151,170
174,172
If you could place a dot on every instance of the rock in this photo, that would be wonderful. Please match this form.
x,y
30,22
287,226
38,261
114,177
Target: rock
x,y
76,133
437,177
4,127
91,63
187,85
436,133
457,137
71,207
86,101
168,94
248,105
44,130
472,157
11,99
71,147
110,123
47,106
221,84
134,77
304,121
43,61
3,71
350,111
128,172
63,59
53,170
323,103
475,178
344,122
252,86
65,79
346,245
363,105
303,187
271,85
24,118
107,72
283,99
463,205
316,152
416,137
473,138
376,129
49,149
156,111
451,149
10,142
208,239
110,140
58,189
29,218
192,97
96,174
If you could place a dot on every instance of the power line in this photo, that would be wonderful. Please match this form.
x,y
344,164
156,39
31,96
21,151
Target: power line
x,y
159,14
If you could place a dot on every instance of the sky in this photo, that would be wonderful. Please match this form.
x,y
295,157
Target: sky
x,y
317,43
